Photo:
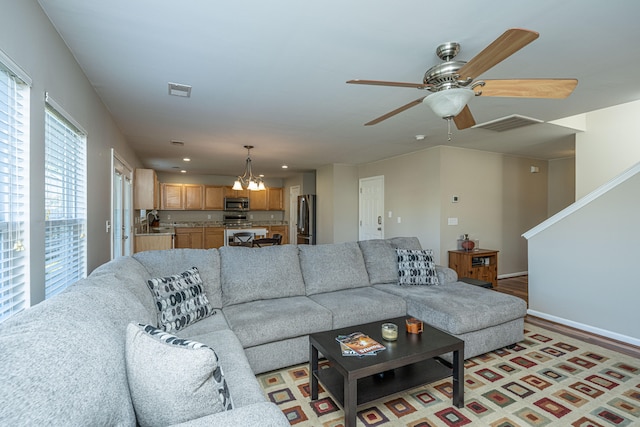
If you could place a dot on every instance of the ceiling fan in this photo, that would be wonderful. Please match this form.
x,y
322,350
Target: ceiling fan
x,y
452,83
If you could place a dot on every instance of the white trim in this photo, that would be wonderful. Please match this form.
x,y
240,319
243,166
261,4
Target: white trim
x,y
49,100
583,201
15,68
505,276
581,326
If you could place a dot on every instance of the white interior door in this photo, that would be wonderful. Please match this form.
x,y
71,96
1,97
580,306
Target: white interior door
x,y
371,208
122,202
294,192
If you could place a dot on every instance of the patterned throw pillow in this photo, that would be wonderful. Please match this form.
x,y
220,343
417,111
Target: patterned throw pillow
x,y
416,267
180,300
172,380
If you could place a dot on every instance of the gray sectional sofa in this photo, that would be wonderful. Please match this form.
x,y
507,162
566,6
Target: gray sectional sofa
x,y
65,361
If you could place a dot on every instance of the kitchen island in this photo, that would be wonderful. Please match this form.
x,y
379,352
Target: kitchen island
x,y
230,232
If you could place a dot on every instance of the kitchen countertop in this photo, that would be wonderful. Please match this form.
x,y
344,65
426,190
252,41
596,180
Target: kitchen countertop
x,y
220,224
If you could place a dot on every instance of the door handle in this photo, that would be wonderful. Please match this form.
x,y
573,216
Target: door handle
x,y
379,220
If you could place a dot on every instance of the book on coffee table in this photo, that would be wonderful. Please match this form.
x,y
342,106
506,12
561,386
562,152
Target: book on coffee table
x,y
359,344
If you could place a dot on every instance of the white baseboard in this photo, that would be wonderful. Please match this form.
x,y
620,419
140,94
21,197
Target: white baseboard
x,y
587,328
505,276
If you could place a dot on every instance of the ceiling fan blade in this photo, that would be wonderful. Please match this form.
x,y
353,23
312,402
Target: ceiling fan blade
x,y
383,83
503,47
529,88
464,119
396,111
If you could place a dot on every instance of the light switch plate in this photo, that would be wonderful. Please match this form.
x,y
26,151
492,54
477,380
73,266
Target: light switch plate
x,y
452,221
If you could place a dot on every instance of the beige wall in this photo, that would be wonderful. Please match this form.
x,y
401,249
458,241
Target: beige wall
x,y
608,147
562,184
336,204
499,199
29,39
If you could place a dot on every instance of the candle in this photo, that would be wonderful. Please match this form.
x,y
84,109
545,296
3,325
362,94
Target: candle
x,y
389,331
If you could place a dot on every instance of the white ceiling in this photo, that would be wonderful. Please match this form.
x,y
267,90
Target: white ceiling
x,y
272,74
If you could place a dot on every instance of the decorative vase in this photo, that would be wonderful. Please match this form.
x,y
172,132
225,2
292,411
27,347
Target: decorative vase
x,y
467,244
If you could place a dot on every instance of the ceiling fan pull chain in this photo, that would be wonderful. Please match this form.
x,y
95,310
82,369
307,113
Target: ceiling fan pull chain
x,y
449,127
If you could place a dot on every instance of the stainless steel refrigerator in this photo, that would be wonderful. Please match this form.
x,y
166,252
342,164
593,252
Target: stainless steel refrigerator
x,y
306,234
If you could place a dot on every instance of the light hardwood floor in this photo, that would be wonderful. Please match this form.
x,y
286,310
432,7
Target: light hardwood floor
x,y
519,286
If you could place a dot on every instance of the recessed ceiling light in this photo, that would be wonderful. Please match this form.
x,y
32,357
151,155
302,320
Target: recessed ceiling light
x,y
419,137
285,167
177,89
183,171
186,159
178,143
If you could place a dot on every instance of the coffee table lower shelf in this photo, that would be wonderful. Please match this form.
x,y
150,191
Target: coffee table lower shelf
x,y
376,386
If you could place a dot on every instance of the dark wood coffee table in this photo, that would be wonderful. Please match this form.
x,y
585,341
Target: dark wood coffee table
x,y
409,362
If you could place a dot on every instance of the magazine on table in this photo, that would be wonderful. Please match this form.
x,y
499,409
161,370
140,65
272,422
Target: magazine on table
x,y
359,344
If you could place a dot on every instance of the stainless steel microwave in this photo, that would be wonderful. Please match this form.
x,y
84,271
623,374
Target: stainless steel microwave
x,y
236,203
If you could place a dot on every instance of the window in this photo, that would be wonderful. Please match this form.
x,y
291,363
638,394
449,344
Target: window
x,y
14,185
65,200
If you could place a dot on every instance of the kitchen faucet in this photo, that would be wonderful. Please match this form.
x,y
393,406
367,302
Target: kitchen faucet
x,y
155,217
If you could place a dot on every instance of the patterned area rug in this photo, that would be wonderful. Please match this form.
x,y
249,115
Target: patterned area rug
x,y
547,380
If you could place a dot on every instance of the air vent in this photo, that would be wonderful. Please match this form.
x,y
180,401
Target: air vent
x,y
508,123
177,89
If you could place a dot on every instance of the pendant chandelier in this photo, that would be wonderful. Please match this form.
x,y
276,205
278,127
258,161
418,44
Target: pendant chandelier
x,y
247,180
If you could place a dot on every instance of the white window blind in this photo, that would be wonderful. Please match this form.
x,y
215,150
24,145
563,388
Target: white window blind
x,y
65,201
14,185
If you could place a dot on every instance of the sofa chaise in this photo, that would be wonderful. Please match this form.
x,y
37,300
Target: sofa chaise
x,y
83,357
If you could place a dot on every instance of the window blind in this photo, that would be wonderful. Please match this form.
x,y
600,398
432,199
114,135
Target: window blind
x,y
14,185
65,202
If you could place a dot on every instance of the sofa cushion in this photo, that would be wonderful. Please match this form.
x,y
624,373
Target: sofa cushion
x,y
62,360
416,267
180,299
405,243
170,261
250,274
172,380
458,308
332,267
381,260
264,321
361,305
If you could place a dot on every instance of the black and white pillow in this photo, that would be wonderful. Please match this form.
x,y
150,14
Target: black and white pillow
x,y
172,380
416,267
180,300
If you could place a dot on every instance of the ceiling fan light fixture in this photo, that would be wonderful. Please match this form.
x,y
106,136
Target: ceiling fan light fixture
x,y
448,103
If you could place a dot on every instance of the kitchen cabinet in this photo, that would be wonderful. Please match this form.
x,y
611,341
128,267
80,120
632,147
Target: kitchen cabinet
x,y
145,189
213,197
152,242
258,200
171,196
479,264
189,238
193,197
274,199
182,196
280,229
229,192
213,237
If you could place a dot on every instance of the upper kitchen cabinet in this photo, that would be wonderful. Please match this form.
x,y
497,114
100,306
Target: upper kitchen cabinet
x,y
171,196
258,200
268,200
182,196
274,199
145,189
213,197
193,197
230,192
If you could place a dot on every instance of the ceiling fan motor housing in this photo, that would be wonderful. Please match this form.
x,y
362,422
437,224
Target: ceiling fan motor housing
x,y
444,76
